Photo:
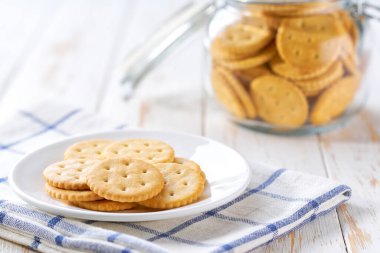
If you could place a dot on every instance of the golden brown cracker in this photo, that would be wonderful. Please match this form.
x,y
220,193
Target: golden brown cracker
x,y
68,174
238,90
262,21
71,195
350,65
226,95
312,86
334,101
239,41
310,42
88,149
152,151
295,9
190,164
247,75
183,186
125,180
286,70
260,58
279,102
103,205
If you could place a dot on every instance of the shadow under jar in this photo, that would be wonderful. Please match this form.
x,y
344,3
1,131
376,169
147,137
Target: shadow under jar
x,y
288,67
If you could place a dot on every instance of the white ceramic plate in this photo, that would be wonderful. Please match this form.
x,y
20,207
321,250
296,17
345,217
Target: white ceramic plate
x,y
227,173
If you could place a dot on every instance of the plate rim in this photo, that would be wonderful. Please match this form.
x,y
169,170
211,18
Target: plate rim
x,y
124,217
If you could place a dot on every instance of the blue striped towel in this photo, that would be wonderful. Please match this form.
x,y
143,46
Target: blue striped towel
x,y
276,202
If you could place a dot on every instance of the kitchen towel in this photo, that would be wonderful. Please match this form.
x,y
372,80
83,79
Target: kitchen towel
x,y
276,201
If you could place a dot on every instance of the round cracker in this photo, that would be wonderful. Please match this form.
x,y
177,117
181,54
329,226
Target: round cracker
x,y
103,205
238,90
311,42
190,164
151,151
334,101
239,41
313,86
226,95
350,25
350,65
260,58
295,9
183,186
247,75
262,21
286,70
88,149
69,174
71,195
125,180
279,102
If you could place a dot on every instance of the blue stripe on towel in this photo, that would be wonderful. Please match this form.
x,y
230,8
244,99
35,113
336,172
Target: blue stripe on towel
x,y
2,216
284,222
44,130
173,238
59,239
113,237
51,223
281,197
42,122
36,242
236,219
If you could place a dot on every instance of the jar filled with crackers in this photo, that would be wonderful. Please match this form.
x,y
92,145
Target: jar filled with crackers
x,y
287,67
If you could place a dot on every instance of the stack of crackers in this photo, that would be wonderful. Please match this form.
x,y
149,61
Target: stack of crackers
x,y
105,175
287,64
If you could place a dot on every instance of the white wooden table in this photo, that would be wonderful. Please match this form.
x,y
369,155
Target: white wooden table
x,y
67,50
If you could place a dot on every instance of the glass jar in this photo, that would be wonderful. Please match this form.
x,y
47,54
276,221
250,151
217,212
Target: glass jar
x,y
288,66
278,66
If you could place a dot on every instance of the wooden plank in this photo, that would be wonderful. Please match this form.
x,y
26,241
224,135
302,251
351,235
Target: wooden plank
x,y
70,61
298,153
352,156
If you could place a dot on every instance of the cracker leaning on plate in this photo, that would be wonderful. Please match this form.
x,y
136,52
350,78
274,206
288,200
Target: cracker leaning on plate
x,y
105,175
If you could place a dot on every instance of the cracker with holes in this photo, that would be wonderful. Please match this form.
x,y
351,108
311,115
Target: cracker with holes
x,y
262,21
183,186
247,75
278,101
295,9
311,87
71,195
310,42
191,164
104,205
240,41
152,151
226,95
224,78
90,149
334,101
69,174
286,70
256,60
125,180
